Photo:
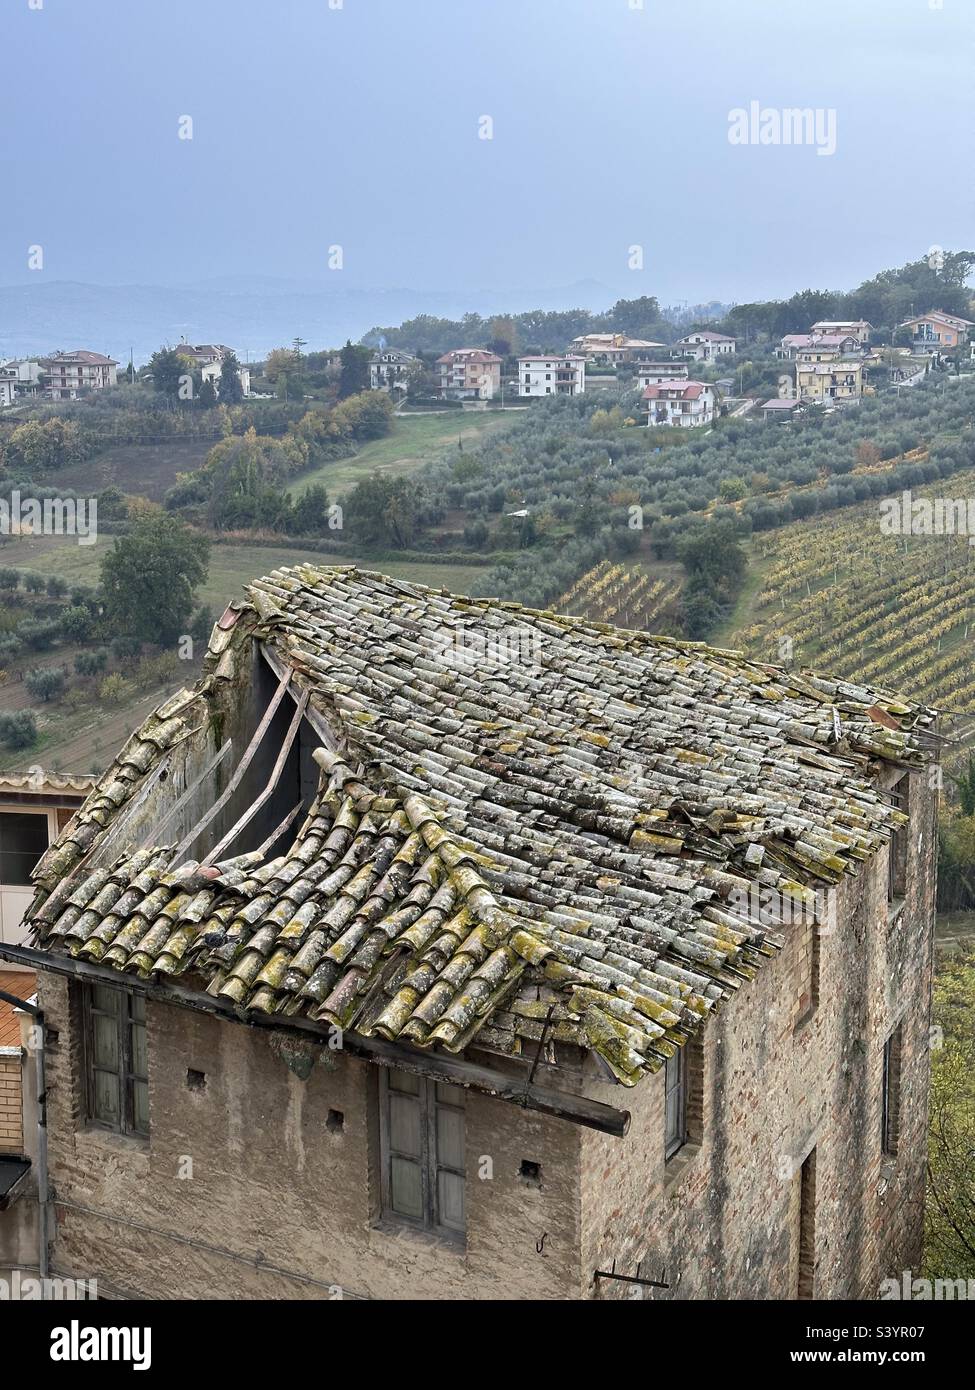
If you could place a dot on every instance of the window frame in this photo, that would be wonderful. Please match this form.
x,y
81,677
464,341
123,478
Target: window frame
x,y
676,1140
899,844
890,1092
45,813
429,1103
128,1078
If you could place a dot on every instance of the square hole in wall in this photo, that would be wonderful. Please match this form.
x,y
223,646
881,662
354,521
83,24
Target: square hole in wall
x,y
195,1080
530,1172
335,1121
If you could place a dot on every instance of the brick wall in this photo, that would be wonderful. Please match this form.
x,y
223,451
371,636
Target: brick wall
x,y
724,1220
280,1205
11,1110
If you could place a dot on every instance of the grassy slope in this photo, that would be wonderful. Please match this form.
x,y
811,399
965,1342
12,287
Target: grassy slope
x,y
144,470
414,441
231,566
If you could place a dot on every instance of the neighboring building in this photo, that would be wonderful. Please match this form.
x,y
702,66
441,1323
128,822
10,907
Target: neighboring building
x,y
207,359
704,346
653,373
25,372
388,368
203,354
781,408
34,809
212,372
609,349
469,374
71,374
18,1128
684,404
817,347
855,328
551,376
936,331
493,935
822,381
8,388
828,348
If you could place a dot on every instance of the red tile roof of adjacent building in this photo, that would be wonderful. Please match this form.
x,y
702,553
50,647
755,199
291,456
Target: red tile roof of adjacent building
x,y
685,390
82,356
469,355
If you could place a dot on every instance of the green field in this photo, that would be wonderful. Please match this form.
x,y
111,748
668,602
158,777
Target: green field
x,y
414,441
231,566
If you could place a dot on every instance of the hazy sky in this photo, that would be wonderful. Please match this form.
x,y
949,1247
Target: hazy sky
x,y
359,126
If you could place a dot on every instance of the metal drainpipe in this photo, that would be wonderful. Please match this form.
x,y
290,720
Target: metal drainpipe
x,y
43,1195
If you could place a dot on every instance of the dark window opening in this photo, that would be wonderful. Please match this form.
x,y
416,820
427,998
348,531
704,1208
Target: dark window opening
x,y
890,1092
530,1171
23,839
195,1080
116,1060
807,1227
897,852
335,1122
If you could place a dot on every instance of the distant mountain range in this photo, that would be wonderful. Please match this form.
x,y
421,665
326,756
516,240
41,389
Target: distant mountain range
x,y
252,314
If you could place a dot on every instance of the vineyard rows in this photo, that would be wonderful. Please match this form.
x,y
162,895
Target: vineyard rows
x,y
897,611
624,595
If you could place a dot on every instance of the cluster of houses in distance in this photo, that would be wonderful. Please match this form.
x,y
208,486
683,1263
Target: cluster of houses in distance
x,y
827,365
826,368
64,376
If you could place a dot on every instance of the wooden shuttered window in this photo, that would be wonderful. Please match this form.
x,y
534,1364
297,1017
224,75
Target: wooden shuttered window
x,y
422,1136
116,1058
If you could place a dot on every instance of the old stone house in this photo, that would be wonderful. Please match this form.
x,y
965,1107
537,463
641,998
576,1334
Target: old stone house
x,y
34,807
437,948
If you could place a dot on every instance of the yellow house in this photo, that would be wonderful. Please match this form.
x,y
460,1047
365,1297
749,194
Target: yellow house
x,y
826,381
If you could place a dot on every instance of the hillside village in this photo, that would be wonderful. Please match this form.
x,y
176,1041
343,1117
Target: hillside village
x,y
831,362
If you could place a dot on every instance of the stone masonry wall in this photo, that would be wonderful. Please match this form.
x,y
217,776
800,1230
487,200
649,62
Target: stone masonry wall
x,y
283,1201
722,1218
275,1189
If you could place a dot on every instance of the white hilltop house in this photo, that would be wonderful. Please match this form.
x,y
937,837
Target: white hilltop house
x,y
552,375
680,404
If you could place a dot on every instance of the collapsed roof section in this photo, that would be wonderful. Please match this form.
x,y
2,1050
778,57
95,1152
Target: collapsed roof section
x,y
462,822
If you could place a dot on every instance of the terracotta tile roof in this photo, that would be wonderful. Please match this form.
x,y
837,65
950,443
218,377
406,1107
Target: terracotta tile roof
x,y
81,357
939,316
478,355
553,832
677,389
23,983
46,782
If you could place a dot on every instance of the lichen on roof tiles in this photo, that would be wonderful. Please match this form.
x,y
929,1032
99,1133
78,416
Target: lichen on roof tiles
x,y
533,828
